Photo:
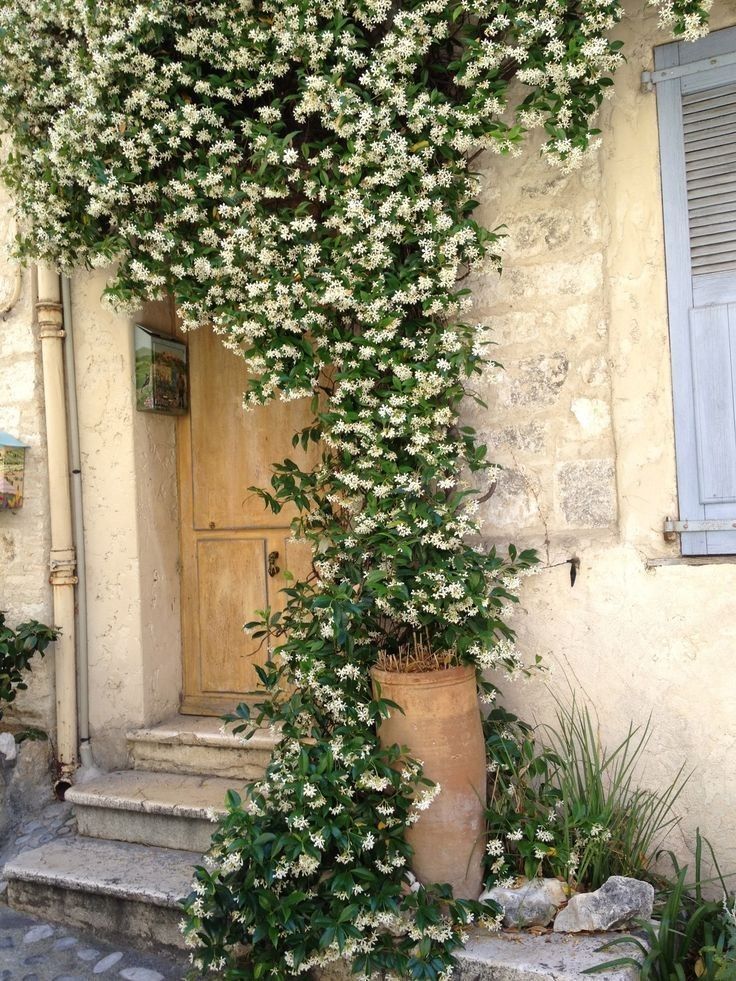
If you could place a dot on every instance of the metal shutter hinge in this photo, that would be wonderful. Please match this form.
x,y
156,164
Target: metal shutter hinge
x,y
673,528
650,79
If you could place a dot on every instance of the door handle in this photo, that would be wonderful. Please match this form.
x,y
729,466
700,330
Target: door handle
x,y
273,569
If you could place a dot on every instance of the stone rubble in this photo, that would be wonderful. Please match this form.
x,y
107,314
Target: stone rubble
x,y
618,902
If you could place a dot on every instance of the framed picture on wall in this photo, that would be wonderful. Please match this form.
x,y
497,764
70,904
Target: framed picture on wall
x,y
161,382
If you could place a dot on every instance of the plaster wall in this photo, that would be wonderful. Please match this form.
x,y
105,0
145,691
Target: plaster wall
x,y
24,534
131,533
582,421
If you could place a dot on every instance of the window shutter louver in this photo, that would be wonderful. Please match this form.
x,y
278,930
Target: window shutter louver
x,y
697,130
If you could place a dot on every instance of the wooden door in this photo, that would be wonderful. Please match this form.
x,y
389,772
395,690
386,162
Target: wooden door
x,y
233,550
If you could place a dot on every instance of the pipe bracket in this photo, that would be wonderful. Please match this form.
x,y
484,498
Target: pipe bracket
x,y
50,319
63,567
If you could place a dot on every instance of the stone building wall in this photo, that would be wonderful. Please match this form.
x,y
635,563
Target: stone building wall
x,y
24,534
582,423
130,515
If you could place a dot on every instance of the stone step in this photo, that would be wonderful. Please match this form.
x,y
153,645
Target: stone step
x,y
170,810
198,745
116,888
521,956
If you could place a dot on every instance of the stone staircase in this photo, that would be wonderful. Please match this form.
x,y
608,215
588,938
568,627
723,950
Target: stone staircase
x,y
142,830
140,833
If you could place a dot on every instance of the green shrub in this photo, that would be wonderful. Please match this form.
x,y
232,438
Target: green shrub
x,y
565,806
691,936
17,648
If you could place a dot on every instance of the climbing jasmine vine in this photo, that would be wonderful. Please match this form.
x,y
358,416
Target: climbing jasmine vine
x,y
298,176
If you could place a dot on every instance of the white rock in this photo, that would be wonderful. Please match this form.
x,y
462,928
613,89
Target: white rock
x,y
41,932
88,954
8,746
614,906
532,903
107,962
140,974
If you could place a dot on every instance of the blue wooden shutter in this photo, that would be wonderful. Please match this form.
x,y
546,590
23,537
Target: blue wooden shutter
x,y
696,103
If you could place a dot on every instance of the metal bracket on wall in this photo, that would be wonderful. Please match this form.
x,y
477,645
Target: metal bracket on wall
x,y
672,528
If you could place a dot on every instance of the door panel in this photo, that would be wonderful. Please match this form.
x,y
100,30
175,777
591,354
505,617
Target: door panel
x,y
233,572
232,449
226,533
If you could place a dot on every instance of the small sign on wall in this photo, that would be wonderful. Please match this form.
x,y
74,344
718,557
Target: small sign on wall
x,y
161,382
12,469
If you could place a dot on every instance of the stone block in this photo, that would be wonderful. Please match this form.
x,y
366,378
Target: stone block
x,y
586,491
536,381
10,273
10,416
195,745
169,810
109,886
539,283
527,438
544,232
16,336
512,504
540,232
8,747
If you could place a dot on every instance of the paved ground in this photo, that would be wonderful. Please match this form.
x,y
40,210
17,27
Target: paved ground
x,y
35,950
32,950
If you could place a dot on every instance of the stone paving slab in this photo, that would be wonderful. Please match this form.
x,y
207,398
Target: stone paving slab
x,y
33,950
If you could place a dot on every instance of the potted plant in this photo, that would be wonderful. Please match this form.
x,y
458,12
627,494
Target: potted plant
x,y
439,723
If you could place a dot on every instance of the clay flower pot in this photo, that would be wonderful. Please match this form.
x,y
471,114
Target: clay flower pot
x,y
441,727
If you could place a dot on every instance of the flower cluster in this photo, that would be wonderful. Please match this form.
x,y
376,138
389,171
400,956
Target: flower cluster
x,y
298,175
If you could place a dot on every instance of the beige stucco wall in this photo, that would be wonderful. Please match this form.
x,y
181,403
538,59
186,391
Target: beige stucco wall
x,y
131,532
583,422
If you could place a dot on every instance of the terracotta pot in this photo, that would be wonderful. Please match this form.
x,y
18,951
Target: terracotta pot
x,y
441,726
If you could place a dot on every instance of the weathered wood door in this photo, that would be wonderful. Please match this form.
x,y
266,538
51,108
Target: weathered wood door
x,y
233,550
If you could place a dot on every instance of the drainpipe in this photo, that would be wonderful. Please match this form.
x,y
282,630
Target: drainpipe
x,y
88,770
62,560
